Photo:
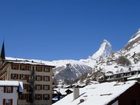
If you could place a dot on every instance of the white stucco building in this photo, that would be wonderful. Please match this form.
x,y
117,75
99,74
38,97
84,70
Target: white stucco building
x,y
9,91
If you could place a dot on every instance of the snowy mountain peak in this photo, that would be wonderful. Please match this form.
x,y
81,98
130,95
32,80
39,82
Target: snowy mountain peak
x,y
104,51
107,43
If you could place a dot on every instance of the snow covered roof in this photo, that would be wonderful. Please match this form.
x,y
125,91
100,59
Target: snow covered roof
x,y
12,83
136,76
97,94
9,83
29,61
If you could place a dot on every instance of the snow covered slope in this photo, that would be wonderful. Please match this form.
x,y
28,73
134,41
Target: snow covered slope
x,y
133,44
71,72
76,69
131,51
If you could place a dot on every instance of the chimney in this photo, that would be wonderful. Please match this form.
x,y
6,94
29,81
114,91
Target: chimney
x,y
75,93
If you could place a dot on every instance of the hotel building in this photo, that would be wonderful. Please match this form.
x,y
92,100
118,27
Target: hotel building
x,y
36,78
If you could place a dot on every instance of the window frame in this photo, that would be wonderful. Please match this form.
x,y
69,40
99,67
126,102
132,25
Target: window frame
x,y
8,89
15,66
46,87
46,78
38,97
46,96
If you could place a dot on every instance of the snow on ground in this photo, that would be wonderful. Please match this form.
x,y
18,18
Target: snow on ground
x,y
135,49
97,94
136,76
119,69
136,66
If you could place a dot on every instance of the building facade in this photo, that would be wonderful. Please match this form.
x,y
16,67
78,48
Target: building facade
x,y
36,78
9,91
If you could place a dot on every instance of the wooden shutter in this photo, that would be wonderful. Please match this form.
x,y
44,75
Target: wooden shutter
x,y
3,101
11,102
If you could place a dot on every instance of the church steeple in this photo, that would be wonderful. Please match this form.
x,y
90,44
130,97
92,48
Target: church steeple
x,y
2,53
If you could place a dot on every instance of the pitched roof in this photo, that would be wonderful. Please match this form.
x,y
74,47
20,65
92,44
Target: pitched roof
x,y
97,94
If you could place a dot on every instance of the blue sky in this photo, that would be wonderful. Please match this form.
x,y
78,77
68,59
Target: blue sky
x,y
65,29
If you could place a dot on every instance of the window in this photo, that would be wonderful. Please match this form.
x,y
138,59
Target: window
x,y
14,76
46,96
47,69
39,68
7,101
24,97
46,87
22,77
15,66
8,89
46,78
25,67
22,67
27,78
27,97
39,78
27,87
38,87
38,96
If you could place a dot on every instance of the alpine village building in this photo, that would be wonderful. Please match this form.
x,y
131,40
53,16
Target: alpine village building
x,y
36,78
9,92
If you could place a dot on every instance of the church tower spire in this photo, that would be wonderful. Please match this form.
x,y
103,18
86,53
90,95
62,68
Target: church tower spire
x,y
2,53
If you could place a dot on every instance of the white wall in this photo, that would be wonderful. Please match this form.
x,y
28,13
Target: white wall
x,y
13,95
